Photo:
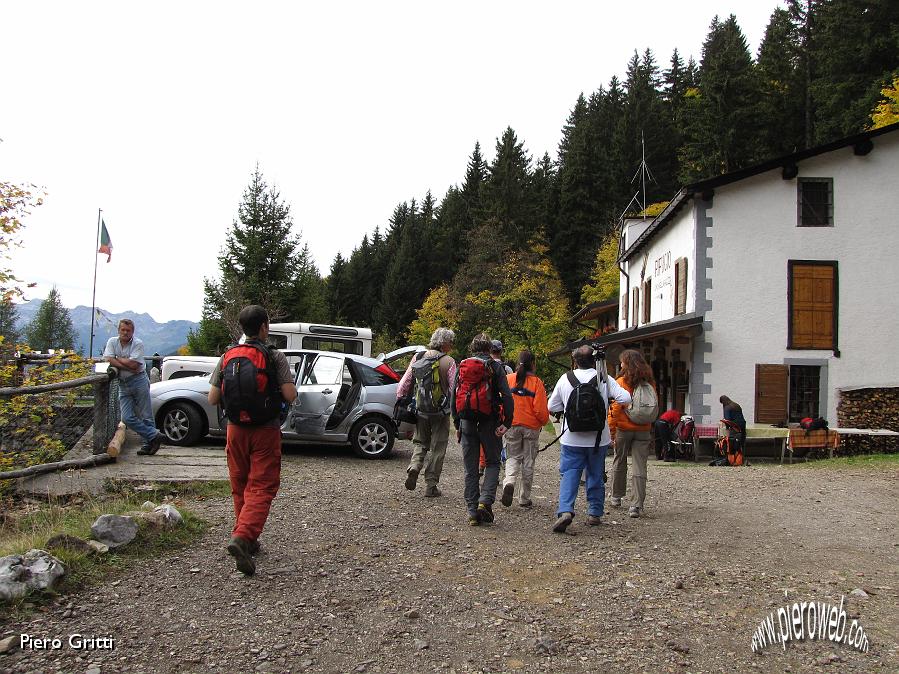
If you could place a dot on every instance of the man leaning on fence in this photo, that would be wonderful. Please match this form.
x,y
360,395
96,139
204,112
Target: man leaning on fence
x,y
126,352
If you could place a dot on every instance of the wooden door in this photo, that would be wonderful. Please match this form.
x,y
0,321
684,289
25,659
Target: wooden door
x,y
771,393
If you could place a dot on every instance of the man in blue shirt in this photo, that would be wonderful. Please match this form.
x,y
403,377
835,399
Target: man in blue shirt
x,y
126,352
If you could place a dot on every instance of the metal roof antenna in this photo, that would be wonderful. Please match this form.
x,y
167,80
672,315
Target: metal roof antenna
x,y
643,173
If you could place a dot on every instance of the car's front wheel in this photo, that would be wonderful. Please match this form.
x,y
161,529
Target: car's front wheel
x,y
372,437
182,424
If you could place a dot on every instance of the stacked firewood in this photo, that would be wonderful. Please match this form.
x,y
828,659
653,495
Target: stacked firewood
x,y
869,408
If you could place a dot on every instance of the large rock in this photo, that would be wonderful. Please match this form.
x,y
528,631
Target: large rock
x,y
114,530
35,570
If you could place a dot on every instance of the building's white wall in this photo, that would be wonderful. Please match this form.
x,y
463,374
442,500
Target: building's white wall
x,y
755,233
675,241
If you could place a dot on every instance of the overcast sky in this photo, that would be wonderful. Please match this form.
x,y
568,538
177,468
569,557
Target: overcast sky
x,y
157,113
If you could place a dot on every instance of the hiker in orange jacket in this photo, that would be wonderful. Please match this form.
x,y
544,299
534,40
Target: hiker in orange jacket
x,y
531,414
629,436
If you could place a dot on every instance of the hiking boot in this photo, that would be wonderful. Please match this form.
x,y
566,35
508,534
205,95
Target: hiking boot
x,y
508,491
155,444
594,520
239,548
432,491
411,478
634,511
473,520
144,451
616,501
253,548
485,513
526,504
562,523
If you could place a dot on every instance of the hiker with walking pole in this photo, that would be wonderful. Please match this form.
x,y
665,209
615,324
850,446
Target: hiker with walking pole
x,y
583,394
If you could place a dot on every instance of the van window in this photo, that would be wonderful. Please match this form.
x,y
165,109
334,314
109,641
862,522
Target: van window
x,y
333,344
181,374
277,341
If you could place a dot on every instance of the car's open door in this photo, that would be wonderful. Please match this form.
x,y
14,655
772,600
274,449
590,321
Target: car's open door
x,y
319,383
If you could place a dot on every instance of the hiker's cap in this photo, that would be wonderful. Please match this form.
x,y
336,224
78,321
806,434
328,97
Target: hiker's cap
x,y
496,345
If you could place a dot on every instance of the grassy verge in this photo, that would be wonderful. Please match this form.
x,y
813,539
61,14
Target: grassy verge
x,y
859,461
30,528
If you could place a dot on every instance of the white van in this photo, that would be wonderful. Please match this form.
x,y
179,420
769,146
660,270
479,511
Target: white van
x,y
282,336
339,338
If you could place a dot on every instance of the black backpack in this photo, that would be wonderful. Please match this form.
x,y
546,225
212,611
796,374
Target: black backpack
x,y
585,410
250,392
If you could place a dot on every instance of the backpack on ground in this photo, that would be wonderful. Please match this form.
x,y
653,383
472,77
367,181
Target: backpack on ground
x,y
585,410
430,398
685,428
250,391
475,389
810,424
644,407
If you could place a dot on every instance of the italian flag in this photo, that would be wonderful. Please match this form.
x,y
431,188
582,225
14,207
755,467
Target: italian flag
x,y
105,242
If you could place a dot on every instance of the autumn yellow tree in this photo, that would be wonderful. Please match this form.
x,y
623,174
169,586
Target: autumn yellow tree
x,y
887,111
435,312
604,279
16,202
525,305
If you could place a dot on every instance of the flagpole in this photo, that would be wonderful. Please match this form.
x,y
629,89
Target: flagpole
x,y
90,349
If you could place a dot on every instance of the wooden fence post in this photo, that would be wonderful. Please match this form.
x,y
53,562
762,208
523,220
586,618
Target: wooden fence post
x,y
101,416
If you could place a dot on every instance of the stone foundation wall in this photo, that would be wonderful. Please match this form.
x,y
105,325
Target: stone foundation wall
x,y
868,408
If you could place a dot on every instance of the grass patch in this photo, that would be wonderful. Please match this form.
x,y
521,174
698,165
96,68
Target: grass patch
x,y
33,525
859,461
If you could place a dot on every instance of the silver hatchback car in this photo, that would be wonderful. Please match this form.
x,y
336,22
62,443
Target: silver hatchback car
x,y
341,399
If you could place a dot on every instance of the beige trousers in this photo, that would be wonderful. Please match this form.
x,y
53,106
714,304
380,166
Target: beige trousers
x,y
636,443
521,454
432,435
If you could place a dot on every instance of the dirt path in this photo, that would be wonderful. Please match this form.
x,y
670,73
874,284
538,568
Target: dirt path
x,y
360,575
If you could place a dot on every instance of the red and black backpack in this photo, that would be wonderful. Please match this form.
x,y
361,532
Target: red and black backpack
x,y
475,390
250,392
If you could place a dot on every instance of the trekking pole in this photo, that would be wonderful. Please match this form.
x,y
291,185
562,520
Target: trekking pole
x,y
555,440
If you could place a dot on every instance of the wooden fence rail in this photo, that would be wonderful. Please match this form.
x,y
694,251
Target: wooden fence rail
x,y
101,385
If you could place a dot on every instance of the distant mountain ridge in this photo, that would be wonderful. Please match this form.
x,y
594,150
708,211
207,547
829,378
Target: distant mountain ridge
x,y
162,338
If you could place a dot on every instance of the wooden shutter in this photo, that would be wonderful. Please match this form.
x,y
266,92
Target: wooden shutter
x,y
681,272
812,302
624,315
647,303
771,384
635,308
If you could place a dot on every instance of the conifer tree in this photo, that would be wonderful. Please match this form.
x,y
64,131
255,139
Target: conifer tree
x,y
507,195
781,100
9,315
855,49
256,266
51,327
722,128
338,291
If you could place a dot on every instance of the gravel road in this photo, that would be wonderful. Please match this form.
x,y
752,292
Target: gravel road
x,y
359,575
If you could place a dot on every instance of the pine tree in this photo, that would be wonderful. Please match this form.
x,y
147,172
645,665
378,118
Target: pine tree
x,y
257,266
472,186
338,291
51,327
855,54
9,315
507,195
307,301
781,101
722,131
